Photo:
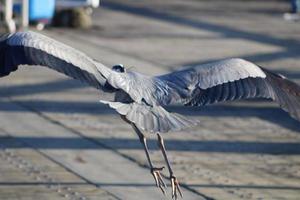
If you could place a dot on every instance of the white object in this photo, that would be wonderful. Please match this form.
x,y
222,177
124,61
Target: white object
x,y
25,13
9,22
291,16
8,13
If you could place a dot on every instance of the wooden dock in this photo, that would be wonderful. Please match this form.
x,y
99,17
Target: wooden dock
x,y
58,142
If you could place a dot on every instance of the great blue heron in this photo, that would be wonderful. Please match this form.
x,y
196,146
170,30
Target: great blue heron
x,y
139,99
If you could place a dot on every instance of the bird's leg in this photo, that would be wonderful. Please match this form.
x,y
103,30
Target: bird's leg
x,y
174,181
155,171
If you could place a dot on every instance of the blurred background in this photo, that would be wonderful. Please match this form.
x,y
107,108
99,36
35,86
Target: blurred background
x,y
66,145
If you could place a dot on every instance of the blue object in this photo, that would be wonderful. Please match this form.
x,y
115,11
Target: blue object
x,y
295,6
17,8
41,9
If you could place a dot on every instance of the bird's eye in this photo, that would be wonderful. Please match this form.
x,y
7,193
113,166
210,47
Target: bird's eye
x,y
118,68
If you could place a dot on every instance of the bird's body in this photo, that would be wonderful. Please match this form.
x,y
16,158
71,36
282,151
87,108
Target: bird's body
x,y
140,99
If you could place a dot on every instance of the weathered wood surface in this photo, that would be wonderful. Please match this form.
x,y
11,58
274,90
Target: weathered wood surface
x,y
246,150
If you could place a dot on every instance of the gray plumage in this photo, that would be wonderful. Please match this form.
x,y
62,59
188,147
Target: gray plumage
x,y
141,98
29,48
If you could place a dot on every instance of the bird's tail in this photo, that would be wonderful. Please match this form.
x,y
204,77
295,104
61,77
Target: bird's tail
x,y
152,119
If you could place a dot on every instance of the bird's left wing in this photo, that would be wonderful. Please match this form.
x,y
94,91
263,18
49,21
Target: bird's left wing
x,y
230,79
30,48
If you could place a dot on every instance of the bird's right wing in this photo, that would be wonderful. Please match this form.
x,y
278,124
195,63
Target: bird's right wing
x,y
30,48
230,79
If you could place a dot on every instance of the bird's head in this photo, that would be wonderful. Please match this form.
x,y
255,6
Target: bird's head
x,y
119,68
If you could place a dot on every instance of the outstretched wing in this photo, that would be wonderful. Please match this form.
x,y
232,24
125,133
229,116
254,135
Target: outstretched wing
x,y
30,48
230,79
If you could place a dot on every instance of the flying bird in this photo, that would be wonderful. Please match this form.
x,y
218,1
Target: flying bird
x,y
140,99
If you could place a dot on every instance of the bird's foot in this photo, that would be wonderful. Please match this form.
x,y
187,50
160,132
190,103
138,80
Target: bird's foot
x,y
175,187
158,178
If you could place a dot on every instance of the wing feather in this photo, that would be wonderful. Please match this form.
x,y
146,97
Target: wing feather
x,y
231,79
30,48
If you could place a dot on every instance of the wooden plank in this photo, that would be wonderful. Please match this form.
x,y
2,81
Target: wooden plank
x,y
102,167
